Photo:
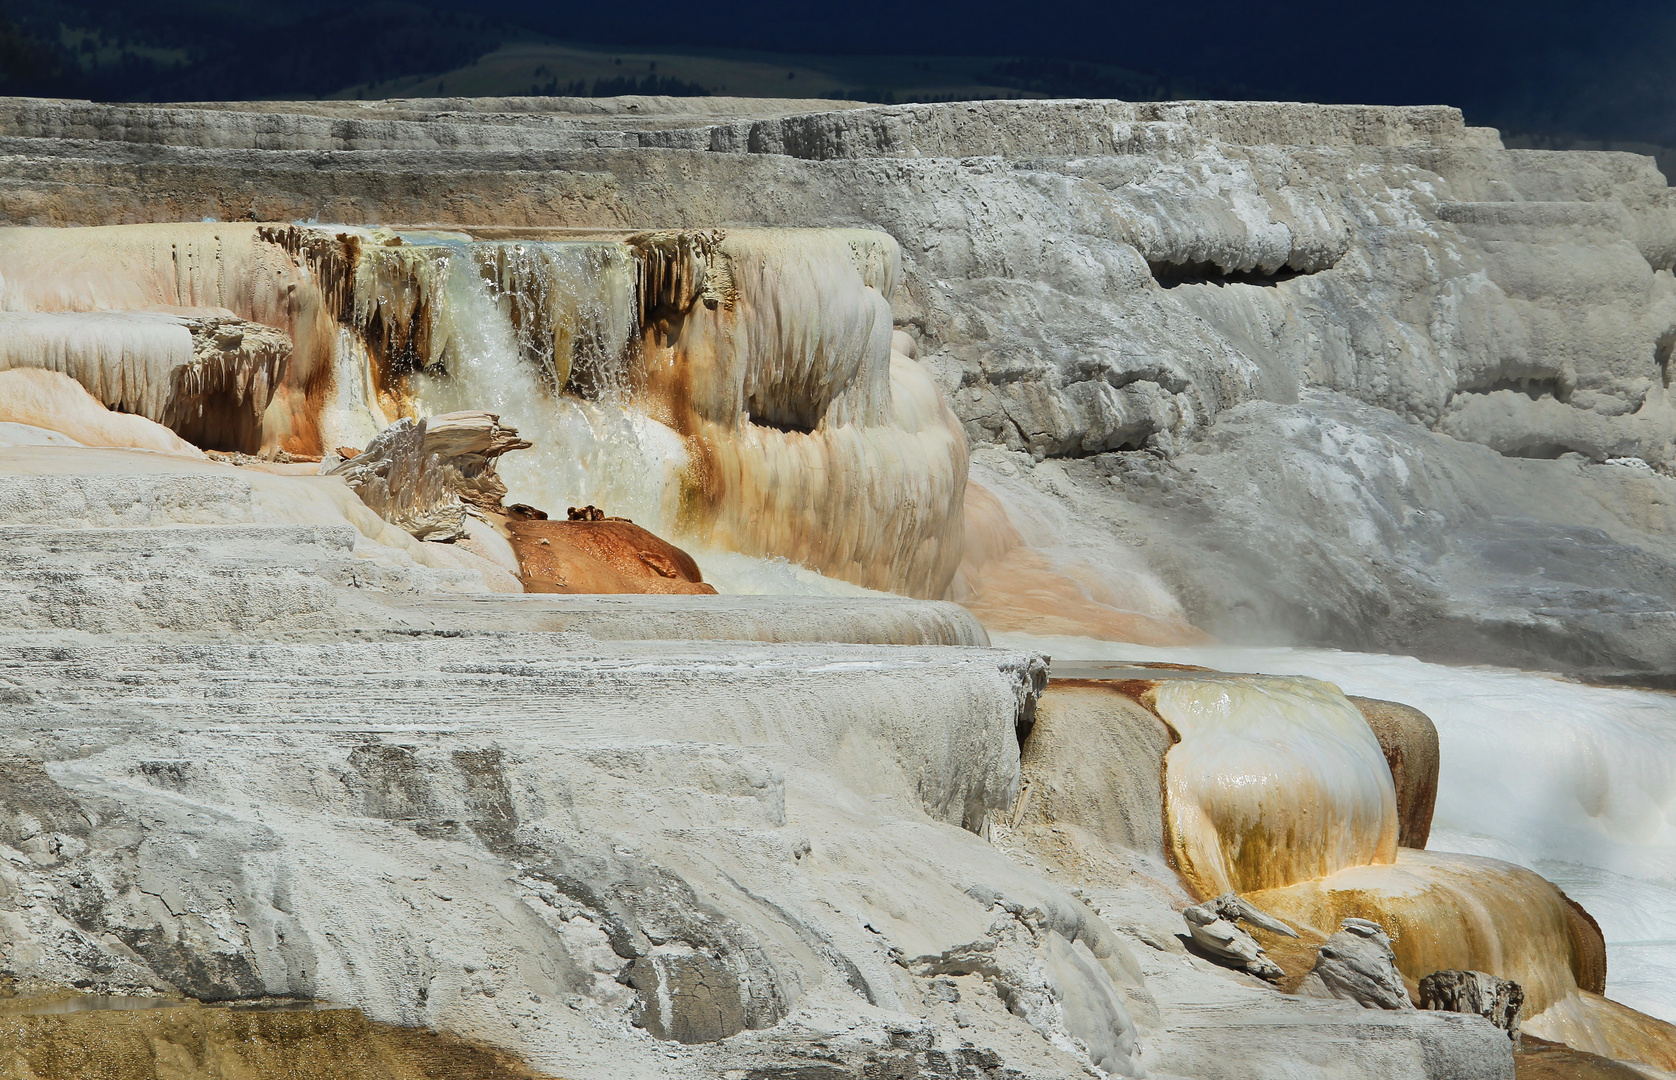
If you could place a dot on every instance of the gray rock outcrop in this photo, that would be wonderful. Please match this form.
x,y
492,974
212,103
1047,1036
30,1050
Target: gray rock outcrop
x,y
1213,927
1356,964
1496,1000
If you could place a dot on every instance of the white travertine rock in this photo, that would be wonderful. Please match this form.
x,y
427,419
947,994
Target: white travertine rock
x,y
737,389
1257,357
15,434
48,400
1248,314
524,808
614,882
206,375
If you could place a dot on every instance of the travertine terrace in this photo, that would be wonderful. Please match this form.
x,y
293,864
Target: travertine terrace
x,y
905,381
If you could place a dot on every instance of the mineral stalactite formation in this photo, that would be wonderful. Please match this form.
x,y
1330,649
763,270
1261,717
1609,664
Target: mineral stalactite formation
x,y
311,695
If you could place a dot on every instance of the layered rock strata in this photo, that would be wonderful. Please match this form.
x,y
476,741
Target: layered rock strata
x,y
448,873
323,782
1186,323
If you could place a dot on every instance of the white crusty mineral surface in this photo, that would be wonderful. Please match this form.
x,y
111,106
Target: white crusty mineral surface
x,y
1331,374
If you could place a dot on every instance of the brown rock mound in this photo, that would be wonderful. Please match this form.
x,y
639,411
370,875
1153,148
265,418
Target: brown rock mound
x,y
1589,948
609,556
1409,740
1542,1060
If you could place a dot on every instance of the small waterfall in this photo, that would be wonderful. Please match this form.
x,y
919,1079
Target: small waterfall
x,y
736,391
737,394
352,414
527,323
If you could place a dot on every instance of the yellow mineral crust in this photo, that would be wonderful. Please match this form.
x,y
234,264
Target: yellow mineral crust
x,y
1444,911
78,1036
1449,911
1275,781
1601,1026
877,505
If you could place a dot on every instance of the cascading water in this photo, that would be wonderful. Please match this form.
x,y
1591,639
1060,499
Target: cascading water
x,y
735,391
546,335
1576,782
602,452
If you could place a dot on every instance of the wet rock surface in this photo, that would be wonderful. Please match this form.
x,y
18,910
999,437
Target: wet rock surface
x,y
1409,739
603,556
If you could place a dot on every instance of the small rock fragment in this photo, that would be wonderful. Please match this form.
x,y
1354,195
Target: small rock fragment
x,y
420,476
1497,1000
1231,907
1356,964
1227,943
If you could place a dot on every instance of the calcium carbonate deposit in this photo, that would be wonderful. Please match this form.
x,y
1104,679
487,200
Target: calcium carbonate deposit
x,y
785,590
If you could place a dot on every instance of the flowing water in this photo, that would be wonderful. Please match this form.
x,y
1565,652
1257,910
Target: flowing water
x,y
1576,782
601,451
598,447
